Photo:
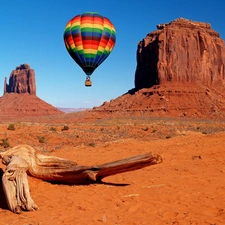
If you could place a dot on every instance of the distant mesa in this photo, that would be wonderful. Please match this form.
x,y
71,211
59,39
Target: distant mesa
x,y
180,72
19,98
70,110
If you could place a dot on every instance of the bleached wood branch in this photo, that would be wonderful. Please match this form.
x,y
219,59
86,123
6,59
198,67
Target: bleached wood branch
x,y
23,159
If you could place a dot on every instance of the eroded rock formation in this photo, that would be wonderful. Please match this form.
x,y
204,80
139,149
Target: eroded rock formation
x,y
21,80
181,51
20,99
180,72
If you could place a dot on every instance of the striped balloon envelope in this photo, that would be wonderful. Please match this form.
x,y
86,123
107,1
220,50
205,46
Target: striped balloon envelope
x,y
89,38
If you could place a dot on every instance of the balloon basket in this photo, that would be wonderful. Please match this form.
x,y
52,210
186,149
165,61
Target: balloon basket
x,y
88,83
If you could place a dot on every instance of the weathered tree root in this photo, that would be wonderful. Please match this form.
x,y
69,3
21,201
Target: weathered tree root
x,y
15,185
23,159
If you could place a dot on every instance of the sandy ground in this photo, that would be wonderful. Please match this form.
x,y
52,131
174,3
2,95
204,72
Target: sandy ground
x,y
188,187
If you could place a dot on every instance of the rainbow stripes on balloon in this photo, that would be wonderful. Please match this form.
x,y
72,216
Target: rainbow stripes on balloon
x,y
89,38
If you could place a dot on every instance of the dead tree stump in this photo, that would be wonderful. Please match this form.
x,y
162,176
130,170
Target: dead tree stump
x,y
23,159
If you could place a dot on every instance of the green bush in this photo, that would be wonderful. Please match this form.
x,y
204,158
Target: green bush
x,y
5,143
11,127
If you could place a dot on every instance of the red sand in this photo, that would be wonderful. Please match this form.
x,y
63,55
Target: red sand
x,y
188,187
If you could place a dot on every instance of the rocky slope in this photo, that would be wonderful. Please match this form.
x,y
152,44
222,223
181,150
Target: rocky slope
x,y
168,100
15,105
180,72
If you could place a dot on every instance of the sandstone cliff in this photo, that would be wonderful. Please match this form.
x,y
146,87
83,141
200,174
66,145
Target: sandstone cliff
x,y
181,51
180,72
21,80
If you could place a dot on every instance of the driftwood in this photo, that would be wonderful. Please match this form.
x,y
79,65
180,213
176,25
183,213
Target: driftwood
x,y
23,159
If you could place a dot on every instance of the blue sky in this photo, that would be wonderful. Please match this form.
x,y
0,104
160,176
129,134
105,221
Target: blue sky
x,y
32,32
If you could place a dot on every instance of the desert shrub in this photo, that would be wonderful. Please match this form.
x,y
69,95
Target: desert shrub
x,y
5,143
145,129
92,144
168,136
52,129
65,128
153,131
41,139
11,126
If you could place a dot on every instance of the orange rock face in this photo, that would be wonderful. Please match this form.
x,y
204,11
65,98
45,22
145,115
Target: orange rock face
x,y
22,80
181,51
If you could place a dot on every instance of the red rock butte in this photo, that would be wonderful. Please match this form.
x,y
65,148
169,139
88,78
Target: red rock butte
x,y
180,72
181,51
20,100
21,80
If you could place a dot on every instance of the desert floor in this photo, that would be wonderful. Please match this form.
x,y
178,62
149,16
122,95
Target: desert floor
x,y
188,187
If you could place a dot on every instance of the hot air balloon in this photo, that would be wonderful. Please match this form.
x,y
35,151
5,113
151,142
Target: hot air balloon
x,y
89,38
